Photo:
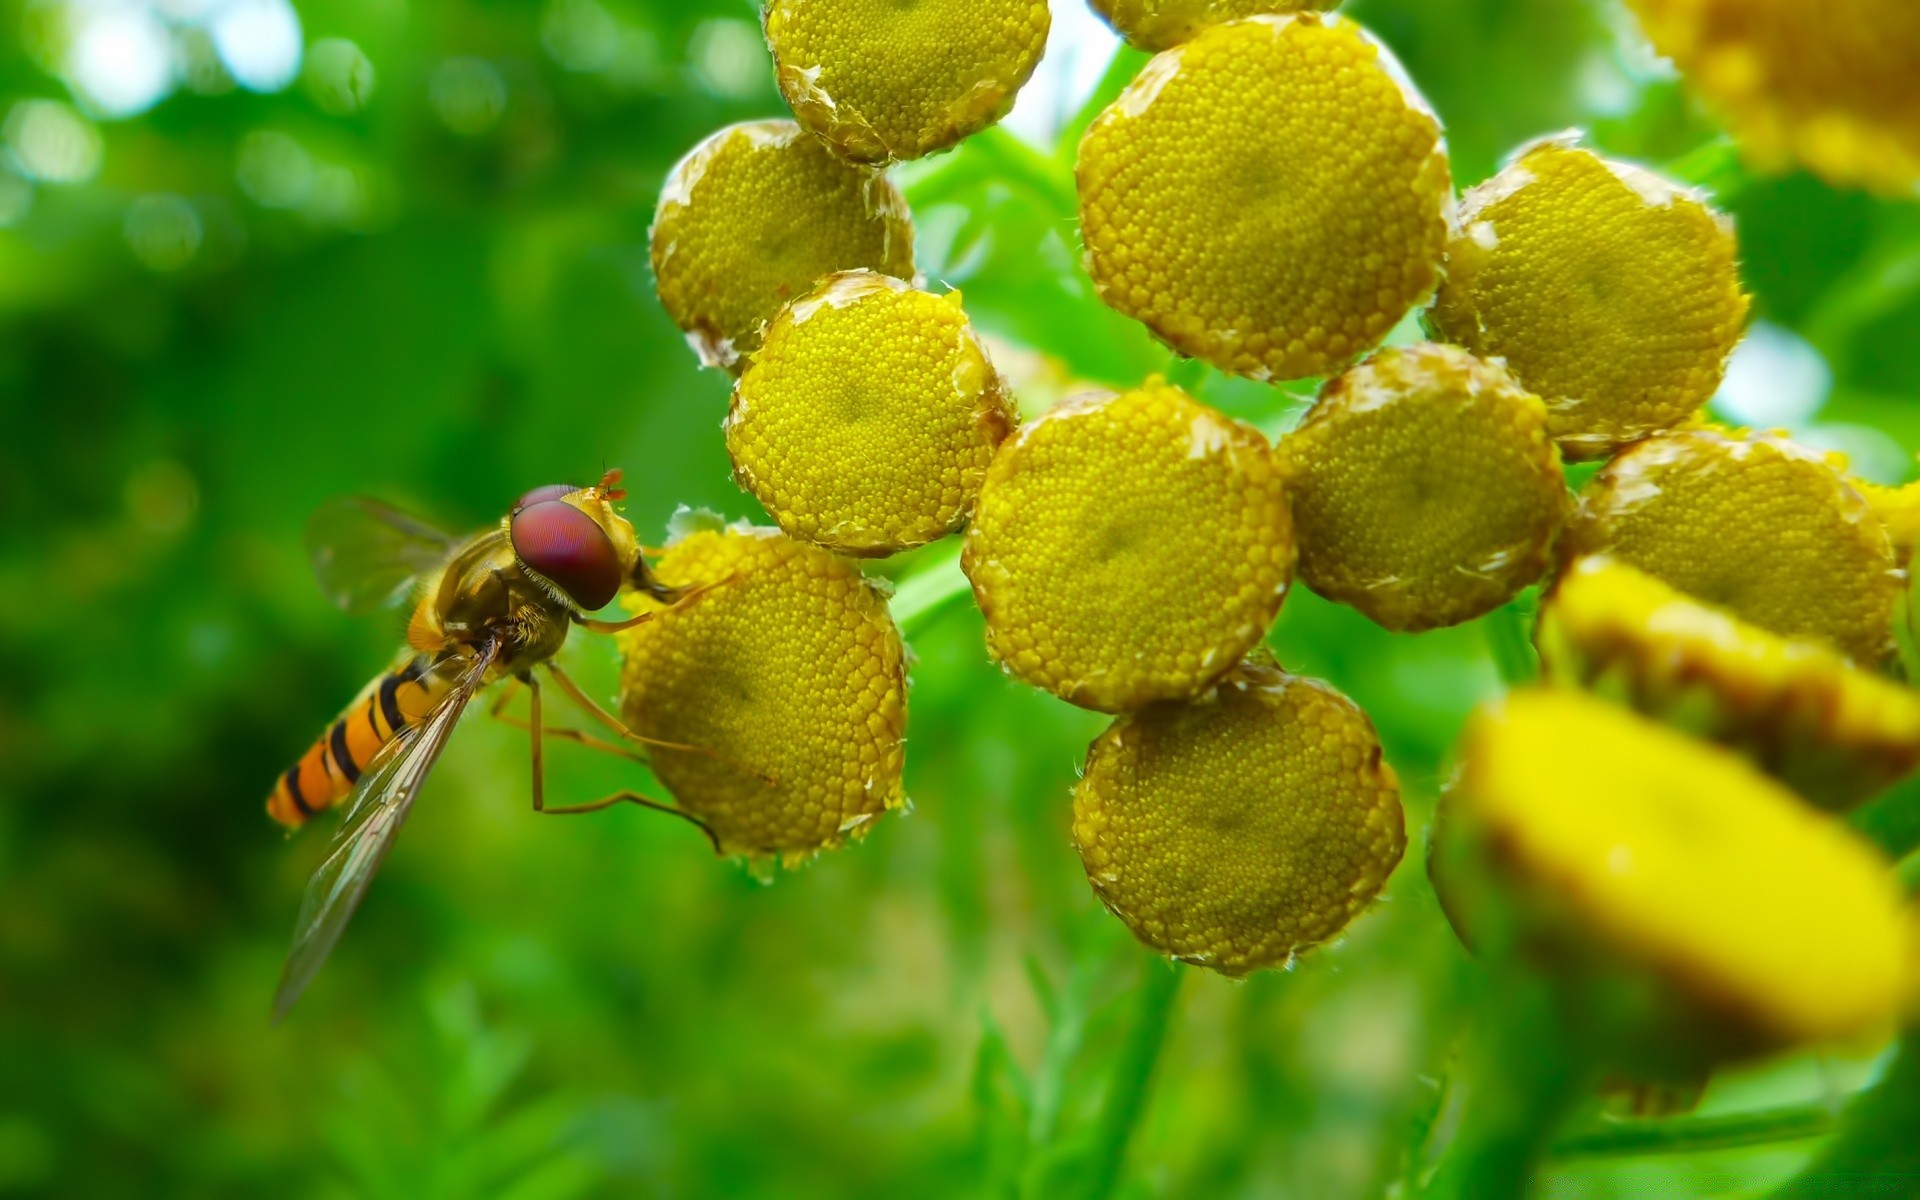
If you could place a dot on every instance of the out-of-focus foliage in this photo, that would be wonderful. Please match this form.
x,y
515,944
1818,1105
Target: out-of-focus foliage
x,y
368,246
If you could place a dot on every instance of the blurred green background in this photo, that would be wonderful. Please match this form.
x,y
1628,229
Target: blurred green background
x,y
253,255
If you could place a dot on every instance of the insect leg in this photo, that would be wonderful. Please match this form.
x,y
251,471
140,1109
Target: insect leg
x,y
580,697
539,744
629,797
674,596
498,712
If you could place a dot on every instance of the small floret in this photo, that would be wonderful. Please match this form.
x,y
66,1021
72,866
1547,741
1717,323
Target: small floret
x,y
1829,86
788,673
1798,709
752,218
1270,197
1237,830
1425,488
881,80
1129,548
1610,293
1160,24
866,420
1754,524
1670,872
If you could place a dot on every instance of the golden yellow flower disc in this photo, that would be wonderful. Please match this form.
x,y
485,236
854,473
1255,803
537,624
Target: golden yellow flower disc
x,y
1425,488
1611,293
789,670
1800,711
1129,548
1270,197
1829,85
752,218
881,80
1899,511
1679,860
866,420
1159,24
1754,524
1241,828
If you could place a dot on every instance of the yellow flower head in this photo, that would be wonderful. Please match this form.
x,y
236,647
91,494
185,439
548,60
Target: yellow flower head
x,y
1615,840
1611,293
1129,548
1796,708
1270,197
789,672
1899,511
1159,24
866,420
1828,85
880,80
1236,830
1754,524
752,218
1425,488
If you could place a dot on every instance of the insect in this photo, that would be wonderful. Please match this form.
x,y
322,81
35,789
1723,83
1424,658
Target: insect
x,y
492,606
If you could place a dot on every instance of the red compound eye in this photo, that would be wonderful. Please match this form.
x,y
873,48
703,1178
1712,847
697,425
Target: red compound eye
x,y
552,491
568,547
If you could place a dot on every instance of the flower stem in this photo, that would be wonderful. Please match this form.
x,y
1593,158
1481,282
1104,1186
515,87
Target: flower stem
x,y
1133,1076
1505,629
1692,1135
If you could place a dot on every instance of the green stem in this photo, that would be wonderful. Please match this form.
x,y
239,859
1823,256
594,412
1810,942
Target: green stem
x,y
1133,1076
924,597
1875,1151
1692,1135
1527,1071
1505,629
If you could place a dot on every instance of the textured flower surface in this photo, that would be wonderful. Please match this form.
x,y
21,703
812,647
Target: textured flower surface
x,y
1425,488
1159,24
1129,548
1754,524
1834,732
1611,293
789,672
1271,197
1829,86
1678,859
752,218
1235,830
881,80
1899,511
866,420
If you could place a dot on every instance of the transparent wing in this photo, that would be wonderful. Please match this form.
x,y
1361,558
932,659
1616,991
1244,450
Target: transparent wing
x,y
365,553
379,807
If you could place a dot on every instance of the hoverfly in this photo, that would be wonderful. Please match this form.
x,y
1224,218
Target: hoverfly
x,y
492,606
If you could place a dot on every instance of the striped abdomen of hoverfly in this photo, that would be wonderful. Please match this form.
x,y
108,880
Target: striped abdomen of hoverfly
x,y
397,700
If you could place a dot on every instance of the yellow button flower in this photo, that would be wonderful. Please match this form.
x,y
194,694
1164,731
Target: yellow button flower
x,y
1754,524
1899,511
1611,293
1129,548
1798,710
752,218
1425,488
1239,829
789,671
881,80
866,420
1159,24
1620,843
1270,197
1829,85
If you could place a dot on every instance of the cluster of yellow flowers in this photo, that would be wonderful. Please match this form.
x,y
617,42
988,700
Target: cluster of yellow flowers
x,y
1272,195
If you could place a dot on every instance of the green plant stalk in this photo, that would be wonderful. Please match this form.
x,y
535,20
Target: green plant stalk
x,y
1694,1135
1875,1151
1505,629
1527,1072
1133,1077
